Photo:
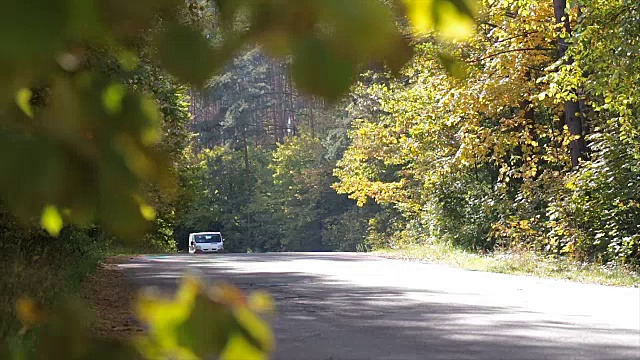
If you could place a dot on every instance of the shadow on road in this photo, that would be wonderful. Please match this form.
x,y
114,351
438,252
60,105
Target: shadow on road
x,y
319,318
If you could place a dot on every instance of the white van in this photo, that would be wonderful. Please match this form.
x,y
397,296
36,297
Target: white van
x,y
205,242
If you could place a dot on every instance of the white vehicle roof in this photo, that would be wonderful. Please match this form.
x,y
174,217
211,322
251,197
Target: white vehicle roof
x,y
205,233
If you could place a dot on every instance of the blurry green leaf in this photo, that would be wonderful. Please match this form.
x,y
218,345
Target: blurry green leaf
x,y
200,322
187,54
84,22
119,212
23,98
134,156
399,53
364,28
152,132
128,60
112,98
110,349
127,19
30,27
51,220
454,66
195,333
319,70
276,42
229,10
163,316
66,333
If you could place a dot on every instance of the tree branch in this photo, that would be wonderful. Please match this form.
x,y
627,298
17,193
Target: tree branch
x,y
508,51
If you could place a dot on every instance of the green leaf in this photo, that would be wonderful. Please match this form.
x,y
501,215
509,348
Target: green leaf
x,y
112,98
128,60
152,133
187,54
363,28
196,333
319,70
31,27
454,66
399,53
51,220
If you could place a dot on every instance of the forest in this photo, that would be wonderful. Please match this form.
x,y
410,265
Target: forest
x,y
489,125
528,139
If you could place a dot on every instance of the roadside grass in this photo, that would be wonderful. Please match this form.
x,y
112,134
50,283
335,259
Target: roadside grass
x,y
148,246
521,263
122,250
133,250
46,280
44,269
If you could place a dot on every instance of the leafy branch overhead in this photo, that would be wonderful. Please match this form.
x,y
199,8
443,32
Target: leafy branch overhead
x,y
80,137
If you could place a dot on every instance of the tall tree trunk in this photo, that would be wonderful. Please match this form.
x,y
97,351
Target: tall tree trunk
x,y
282,104
274,100
311,118
247,181
292,106
572,115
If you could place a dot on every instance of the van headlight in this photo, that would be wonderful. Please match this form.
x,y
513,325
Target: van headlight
x,y
198,247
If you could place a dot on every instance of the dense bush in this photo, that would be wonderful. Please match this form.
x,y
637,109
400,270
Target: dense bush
x,y
33,264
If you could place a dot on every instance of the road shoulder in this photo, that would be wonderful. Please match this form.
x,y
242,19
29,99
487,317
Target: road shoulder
x,y
110,297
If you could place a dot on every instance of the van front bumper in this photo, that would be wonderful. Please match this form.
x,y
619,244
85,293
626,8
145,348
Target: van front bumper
x,y
206,251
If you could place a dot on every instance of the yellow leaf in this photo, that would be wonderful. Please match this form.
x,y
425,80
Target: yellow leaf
x,y
452,23
257,327
449,20
261,301
147,212
28,312
23,98
239,348
419,12
51,220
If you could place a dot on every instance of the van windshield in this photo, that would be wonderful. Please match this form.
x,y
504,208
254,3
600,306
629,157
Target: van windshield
x,y
208,238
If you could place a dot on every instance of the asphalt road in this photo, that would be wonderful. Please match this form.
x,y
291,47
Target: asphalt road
x,y
354,306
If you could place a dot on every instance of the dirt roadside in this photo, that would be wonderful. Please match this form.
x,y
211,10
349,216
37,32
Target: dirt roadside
x,y
110,297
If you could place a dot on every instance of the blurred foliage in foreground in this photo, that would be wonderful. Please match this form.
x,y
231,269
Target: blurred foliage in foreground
x,y
92,113
177,328
80,144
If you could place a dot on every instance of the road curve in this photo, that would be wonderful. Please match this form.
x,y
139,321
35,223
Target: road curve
x,y
355,306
